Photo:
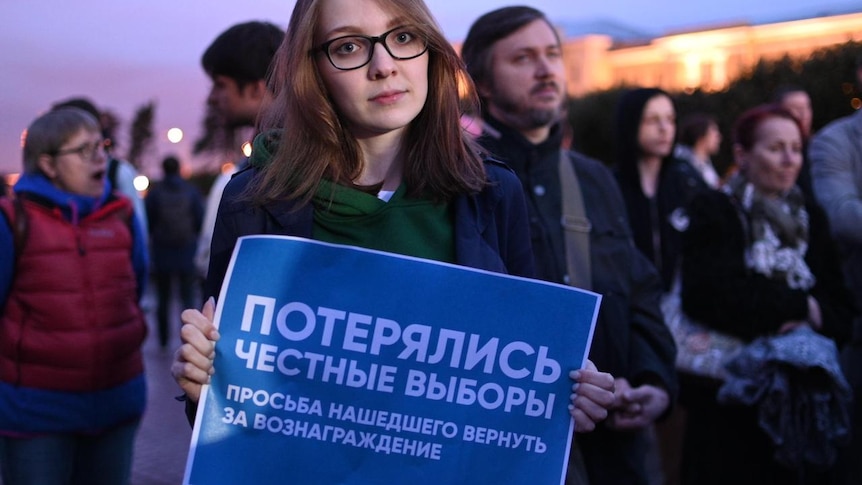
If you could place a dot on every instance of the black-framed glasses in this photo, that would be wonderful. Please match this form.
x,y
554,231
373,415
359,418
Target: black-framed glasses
x,y
86,151
354,51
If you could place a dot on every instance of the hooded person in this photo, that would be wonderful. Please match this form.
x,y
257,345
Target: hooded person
x,y
656,186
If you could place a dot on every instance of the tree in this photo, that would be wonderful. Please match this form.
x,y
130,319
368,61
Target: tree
x,y
109,122
592,119
142,133
216,136
828,75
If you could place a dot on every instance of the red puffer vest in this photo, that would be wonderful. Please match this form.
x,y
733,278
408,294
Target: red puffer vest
x,y
71,321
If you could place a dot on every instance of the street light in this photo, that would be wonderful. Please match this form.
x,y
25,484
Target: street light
x,y
175,135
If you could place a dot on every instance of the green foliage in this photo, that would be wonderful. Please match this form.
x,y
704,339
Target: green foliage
x,y
216,135
828,75
203,181
591,119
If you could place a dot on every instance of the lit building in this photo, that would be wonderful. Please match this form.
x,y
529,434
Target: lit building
x,y
604,55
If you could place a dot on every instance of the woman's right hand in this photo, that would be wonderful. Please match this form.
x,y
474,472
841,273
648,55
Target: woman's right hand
x,y
193,361
814,320
815,316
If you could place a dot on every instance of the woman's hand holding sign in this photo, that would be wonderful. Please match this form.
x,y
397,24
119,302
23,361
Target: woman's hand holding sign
x,y
193,361
592,392
592,397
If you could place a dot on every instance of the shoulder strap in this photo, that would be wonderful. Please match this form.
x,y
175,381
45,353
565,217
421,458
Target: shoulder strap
x,y
113,164
13,208
576,226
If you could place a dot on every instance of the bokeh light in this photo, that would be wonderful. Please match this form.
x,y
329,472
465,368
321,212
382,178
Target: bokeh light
x,y
141,183
175,135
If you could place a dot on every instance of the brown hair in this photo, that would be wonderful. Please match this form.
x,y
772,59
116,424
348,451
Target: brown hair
x,y
489,29
47,133
745,128
694,127
440,160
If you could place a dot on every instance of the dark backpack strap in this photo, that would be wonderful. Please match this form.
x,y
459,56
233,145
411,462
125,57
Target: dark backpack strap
x,y
13,209
113,164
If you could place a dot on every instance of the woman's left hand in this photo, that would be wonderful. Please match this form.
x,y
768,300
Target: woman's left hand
x,y
637,407
592,397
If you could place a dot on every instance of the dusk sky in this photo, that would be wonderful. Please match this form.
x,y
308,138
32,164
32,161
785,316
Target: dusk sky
x,y
123,53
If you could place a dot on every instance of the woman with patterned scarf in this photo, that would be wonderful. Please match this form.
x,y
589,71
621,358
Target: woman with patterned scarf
x,y
758,261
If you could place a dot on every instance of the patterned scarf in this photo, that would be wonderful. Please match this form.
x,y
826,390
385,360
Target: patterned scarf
x,y
778,233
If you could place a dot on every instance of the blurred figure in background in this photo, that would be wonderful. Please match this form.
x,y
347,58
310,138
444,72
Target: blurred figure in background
x,y
836,171
796,100
72,386
699,141
798,103
760,244
656,185
237,62
121,173
175,209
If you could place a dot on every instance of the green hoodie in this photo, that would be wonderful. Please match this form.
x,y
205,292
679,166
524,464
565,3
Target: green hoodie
x,y
345,215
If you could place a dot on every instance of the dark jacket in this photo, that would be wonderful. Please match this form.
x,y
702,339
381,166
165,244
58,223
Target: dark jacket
x,y
630,337
657,222
714,275
726,443
175,212
489,226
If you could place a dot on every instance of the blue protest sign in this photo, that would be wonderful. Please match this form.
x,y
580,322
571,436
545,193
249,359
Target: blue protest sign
x,y
338,365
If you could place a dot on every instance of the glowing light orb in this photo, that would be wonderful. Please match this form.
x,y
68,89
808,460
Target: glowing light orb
x,y
175,135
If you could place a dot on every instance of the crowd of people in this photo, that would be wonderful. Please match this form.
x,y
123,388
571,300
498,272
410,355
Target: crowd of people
x,y
768,254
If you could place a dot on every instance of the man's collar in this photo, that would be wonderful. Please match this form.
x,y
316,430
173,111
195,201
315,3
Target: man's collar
x,y
500,132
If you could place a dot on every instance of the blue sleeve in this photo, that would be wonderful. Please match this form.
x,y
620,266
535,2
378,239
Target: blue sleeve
x,y
140,257
7,264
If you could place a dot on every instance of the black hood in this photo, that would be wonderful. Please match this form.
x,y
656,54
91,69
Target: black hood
x,y
630,108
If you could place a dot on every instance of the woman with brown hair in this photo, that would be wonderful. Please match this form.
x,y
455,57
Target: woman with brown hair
x,y
362,146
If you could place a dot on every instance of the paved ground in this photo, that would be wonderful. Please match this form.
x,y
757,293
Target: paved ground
x,y
163,440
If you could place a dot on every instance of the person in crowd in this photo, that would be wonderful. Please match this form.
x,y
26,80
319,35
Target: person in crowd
x,y
72,273
699,141
237,63
796,100
514,56
362,137
175,209
656,185
121,173
835,153
758,260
